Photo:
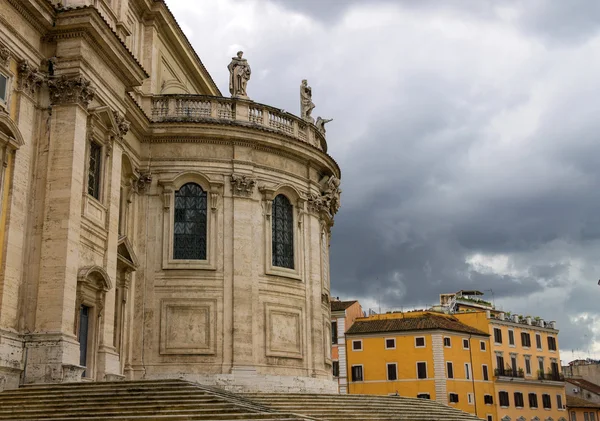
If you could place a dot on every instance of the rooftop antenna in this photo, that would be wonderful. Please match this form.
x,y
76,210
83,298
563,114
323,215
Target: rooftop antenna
x,y
492,293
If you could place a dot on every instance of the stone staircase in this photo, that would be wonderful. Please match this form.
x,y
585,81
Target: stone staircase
x,y
165,400
360,407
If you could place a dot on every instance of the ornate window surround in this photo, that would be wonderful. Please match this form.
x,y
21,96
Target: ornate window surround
x,y
298,203
213,191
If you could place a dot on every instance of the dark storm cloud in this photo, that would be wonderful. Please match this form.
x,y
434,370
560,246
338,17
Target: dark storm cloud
x,y
468,137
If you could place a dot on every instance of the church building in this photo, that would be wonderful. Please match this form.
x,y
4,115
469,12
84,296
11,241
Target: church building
x,y
151,226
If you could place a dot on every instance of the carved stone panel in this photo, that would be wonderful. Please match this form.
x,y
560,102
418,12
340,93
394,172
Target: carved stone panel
x,y
187,326
284,331
242,185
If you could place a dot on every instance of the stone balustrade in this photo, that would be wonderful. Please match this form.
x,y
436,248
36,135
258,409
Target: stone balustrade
x,y
201,108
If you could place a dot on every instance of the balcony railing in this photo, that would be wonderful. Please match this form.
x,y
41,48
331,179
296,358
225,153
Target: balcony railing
x,y
509,372
557,377
201,108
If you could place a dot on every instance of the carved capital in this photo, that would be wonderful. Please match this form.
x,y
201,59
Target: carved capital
x,y
71,90
242,185
30,79
214,201
122,125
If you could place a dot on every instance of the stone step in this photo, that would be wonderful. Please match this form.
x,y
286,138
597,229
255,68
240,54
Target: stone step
x,y
129,405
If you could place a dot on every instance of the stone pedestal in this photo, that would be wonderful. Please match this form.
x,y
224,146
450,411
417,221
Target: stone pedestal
x,y
51,358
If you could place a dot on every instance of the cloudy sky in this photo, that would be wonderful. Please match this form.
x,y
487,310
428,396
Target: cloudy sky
x,y
468,134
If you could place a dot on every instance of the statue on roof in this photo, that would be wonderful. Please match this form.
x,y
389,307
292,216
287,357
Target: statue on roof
x,y
306,104
239,75
321,124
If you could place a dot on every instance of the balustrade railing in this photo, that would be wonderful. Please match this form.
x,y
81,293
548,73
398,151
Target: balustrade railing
x,y
198,108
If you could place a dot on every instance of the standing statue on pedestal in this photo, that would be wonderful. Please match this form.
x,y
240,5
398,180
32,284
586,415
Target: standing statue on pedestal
x,y
306,104
239,75
321,124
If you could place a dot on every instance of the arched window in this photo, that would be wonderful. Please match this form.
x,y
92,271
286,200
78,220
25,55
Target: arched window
x,y
283,232
189,242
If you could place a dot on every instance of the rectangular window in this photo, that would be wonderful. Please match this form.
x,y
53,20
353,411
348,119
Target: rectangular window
x,y
334,333
465,344
551,343
453,397
525,340
490,418
486,375
470,398
390,343
497,335
546,402
422,370
449,370
533,403
357,373
467,371
336,368
527,365
592,416
513,364
559,404
357,345
503,399
519,400
573,416
420,342
538,341
3,88
423,396
500,365
511,337
447,342
488,399
482,345
392,372
586,416
94,166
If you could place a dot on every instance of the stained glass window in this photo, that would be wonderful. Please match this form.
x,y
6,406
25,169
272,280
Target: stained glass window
x,y
94,170
283,232
189,242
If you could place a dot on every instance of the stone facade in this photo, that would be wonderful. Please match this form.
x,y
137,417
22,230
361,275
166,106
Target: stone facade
x,y
107,118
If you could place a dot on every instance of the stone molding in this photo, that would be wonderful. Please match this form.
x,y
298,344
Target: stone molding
x,y
71,90
242,185
30,79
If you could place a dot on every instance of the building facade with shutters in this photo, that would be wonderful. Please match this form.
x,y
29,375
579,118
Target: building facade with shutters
x,y
152,227
425,355
529,384
343,314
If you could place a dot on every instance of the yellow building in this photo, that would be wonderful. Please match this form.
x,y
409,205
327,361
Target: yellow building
x,y
526,360
422,354
582,410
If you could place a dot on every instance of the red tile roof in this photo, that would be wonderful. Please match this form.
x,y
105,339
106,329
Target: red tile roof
x,y
574,402
341,305
426,322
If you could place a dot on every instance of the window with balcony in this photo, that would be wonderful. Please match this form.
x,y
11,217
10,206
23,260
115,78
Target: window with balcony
x,y
503,399
189,228
283,232
528,365
533,401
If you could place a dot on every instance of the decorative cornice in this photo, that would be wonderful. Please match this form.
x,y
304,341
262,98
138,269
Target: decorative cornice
x,y
71,90
242,185
30,79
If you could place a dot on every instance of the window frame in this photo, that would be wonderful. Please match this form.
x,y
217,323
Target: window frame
x,y
520,397
526,344
449,342
204,194
497,335
537,404
335,364
482,346
527,359
470,398
5,71
511,333
334,338
503,393
287,205
357,341
100,184
421,395
362,373
544,401
552,346
450,365
424,342
466,341
386,343
468,371
417,368
538,342
450,395
485,398
213,191
387,369
485,372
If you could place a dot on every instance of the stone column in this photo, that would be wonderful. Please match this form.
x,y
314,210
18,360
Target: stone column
x,y
53,350
245,279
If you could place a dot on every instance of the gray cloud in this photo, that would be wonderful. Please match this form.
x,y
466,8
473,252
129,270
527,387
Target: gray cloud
x,y
467,135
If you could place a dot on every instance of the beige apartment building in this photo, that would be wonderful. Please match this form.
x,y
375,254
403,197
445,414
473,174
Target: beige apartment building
x,y
151,226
